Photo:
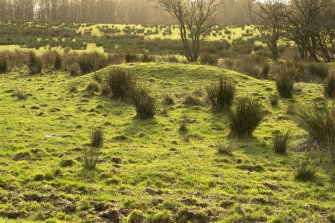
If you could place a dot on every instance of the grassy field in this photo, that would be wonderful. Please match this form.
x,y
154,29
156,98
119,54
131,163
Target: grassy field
x,y
148,171
114,38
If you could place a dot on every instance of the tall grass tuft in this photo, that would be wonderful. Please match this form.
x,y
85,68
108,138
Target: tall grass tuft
x,y
121,84
91,154
3,63
244,118
35,64
318,70
285,86
319,123
58,61
221,94
329,87
97,138
280,142
145,104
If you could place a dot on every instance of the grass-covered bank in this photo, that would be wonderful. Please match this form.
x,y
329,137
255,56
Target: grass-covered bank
x,y
199,175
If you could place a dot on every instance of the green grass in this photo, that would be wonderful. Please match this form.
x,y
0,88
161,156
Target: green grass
x,y
249,184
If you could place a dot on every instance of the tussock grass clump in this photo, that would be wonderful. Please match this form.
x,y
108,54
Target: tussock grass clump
x,y
208,59
167,100
105,90
280,142
97,138
145,104
221,94
58,61
319,123
305,172
146,58
120,83
265,71
318,70
3,63
329,87
161,217
93,86
90,62
91,154
244,118
74,69
192,100
130,57
34,63
274,100
285,86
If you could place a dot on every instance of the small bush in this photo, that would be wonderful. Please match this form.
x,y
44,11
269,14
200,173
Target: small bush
x,y
35,64
97,138
93,86
206,58
58,61
305,172
280,142
144,103
285,86
329,87
245,117
318,70
74,69
221,94
121,84
3,63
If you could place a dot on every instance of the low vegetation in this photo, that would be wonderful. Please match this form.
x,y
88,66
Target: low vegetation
x,y
245,117
221,94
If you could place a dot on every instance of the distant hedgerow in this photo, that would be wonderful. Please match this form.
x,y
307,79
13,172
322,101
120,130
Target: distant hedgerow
x,y
244,118
221,94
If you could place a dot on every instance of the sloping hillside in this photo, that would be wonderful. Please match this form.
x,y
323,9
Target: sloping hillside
x,y
149,166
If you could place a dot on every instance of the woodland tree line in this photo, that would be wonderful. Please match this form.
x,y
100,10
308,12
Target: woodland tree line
x,y
110,11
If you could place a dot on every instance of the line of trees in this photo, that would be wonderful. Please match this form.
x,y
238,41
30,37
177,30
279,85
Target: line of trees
x,y
109,11
310,24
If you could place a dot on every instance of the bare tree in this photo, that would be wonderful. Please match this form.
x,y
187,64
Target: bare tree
x,y
271,15
311,24
195,19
